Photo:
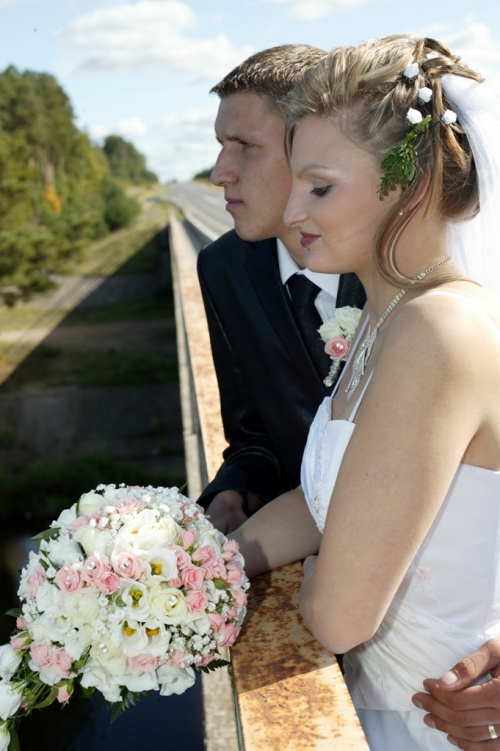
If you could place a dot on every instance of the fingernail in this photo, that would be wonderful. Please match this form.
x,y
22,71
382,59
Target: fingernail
x,y
452,741
417,703
449,678
429,722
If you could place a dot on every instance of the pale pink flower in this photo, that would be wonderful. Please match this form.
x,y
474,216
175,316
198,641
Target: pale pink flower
x,y
178,658
68,580
216,620
41,654
21,624
82,521
145,663
62,663
229,632
127,564
192,577
63,695
128,504
210,657
234,574
231,613
197,601
188,537
338,348
215,569
183,559
94,569
240,598
36,579
109,583
204,554
176,583
19,641
230,549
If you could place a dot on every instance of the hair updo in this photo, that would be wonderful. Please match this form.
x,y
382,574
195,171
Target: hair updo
x,y
364,92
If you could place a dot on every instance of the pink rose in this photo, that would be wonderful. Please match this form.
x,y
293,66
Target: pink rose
x,y
234,574
109,583
192,577
338,348
216,620
204,554
128,565
63,695
128,504
229,632
188,537
41,654
215,569
230,549
21,624
210,657
197,601
19,641
82,521
176,583
36,579
231,613
240,598
178,658
94,569
63,663
68,580
144,663
183,558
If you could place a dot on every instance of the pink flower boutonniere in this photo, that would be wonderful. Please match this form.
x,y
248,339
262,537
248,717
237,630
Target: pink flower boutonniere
x,y
338,333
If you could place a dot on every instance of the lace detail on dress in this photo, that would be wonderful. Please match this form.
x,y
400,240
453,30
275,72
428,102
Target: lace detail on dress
x,y
423,575
319,489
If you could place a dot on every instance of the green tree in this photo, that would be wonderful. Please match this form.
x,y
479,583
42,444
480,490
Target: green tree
x,y
126,163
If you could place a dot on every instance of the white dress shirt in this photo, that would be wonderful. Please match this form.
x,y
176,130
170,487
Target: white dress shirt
x,y
326,299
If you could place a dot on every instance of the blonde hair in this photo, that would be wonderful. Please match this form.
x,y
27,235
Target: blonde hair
x,y
363,91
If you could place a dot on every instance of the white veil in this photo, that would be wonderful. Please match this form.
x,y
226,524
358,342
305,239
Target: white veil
x,y
475,244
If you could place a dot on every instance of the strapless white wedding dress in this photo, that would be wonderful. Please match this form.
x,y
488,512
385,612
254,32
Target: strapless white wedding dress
x,y
447,605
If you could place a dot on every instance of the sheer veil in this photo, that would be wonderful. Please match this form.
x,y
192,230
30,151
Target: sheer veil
x,y
475,244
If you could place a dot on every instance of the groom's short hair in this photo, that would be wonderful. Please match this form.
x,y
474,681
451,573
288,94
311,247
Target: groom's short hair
x,y
269,72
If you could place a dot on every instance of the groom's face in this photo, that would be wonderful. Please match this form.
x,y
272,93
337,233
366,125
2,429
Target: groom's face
x,y
252,167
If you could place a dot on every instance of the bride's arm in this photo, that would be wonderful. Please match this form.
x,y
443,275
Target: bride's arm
x,y
280,532
426,402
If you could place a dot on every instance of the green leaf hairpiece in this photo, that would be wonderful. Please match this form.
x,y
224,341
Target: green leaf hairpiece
x,y
400,162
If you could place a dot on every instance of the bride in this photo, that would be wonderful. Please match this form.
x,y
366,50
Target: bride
x,y
395,154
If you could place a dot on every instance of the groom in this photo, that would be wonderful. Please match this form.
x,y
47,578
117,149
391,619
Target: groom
x,y
269,370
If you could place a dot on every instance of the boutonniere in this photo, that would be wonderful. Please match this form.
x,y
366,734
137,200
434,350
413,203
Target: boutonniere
x,y
338,333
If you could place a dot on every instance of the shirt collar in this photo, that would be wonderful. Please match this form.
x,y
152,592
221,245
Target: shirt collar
x,y
327,282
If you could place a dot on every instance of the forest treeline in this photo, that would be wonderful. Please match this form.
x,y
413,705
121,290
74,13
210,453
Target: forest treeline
x,y
58,190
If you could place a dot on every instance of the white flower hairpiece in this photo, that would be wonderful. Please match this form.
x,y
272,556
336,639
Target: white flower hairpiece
x,y
425,94
449,117
413,116
411,70
432,55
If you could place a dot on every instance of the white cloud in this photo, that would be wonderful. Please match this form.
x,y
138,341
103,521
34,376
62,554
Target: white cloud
x,y
98,132
131,126
150,36
475,46
311,10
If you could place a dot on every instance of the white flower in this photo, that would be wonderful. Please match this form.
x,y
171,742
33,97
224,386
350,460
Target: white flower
x,y
64,551
10,700
449,117
162,563
67,516
9,661
141,681
413,116
168,604
89,503
95,675
93,541
78,641
411,70
174,680
425,94
4,738
431,55
348,318
82,606
136,597
111,658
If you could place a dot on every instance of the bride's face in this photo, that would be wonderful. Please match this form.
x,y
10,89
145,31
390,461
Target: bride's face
x,y
335,199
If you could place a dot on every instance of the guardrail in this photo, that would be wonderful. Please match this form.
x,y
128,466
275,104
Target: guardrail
x,y
289,692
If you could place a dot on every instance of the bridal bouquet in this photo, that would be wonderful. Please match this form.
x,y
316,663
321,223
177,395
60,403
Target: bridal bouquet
x,y
131,589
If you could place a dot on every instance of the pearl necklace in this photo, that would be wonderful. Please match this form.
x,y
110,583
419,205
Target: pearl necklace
x,y
363,354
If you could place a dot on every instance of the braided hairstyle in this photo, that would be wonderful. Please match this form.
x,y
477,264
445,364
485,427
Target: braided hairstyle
x,y
362,90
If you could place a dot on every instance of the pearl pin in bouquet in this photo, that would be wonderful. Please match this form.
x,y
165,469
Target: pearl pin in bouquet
x,y
132,590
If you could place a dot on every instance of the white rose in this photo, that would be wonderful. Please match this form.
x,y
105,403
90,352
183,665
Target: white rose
x,y
9,661
199,623
329,329
167,604
48,595
93,541
95,675
67,517
348,318
4,738
170,529
10,700
82,606
89,503
413,116
111,658
174,680
77,641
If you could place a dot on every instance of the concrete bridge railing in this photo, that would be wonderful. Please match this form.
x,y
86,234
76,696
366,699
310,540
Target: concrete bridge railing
x,y
288,691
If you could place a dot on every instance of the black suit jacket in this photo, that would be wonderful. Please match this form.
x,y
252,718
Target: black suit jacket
x,y
269,387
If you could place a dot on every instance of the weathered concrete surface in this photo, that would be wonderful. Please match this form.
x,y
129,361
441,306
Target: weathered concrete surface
x,y
291,694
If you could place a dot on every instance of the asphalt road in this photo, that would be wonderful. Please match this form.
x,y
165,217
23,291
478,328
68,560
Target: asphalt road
x,y
202,206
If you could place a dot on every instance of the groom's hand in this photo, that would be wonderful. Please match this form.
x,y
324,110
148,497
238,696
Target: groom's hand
x,y
463,711
226,511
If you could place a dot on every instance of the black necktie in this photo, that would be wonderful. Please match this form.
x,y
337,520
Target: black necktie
x,y
303,293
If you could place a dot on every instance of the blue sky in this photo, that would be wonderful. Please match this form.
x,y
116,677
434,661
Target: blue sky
x,y
143,69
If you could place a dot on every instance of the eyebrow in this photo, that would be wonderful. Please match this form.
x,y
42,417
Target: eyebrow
x,y
310,167
232,138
